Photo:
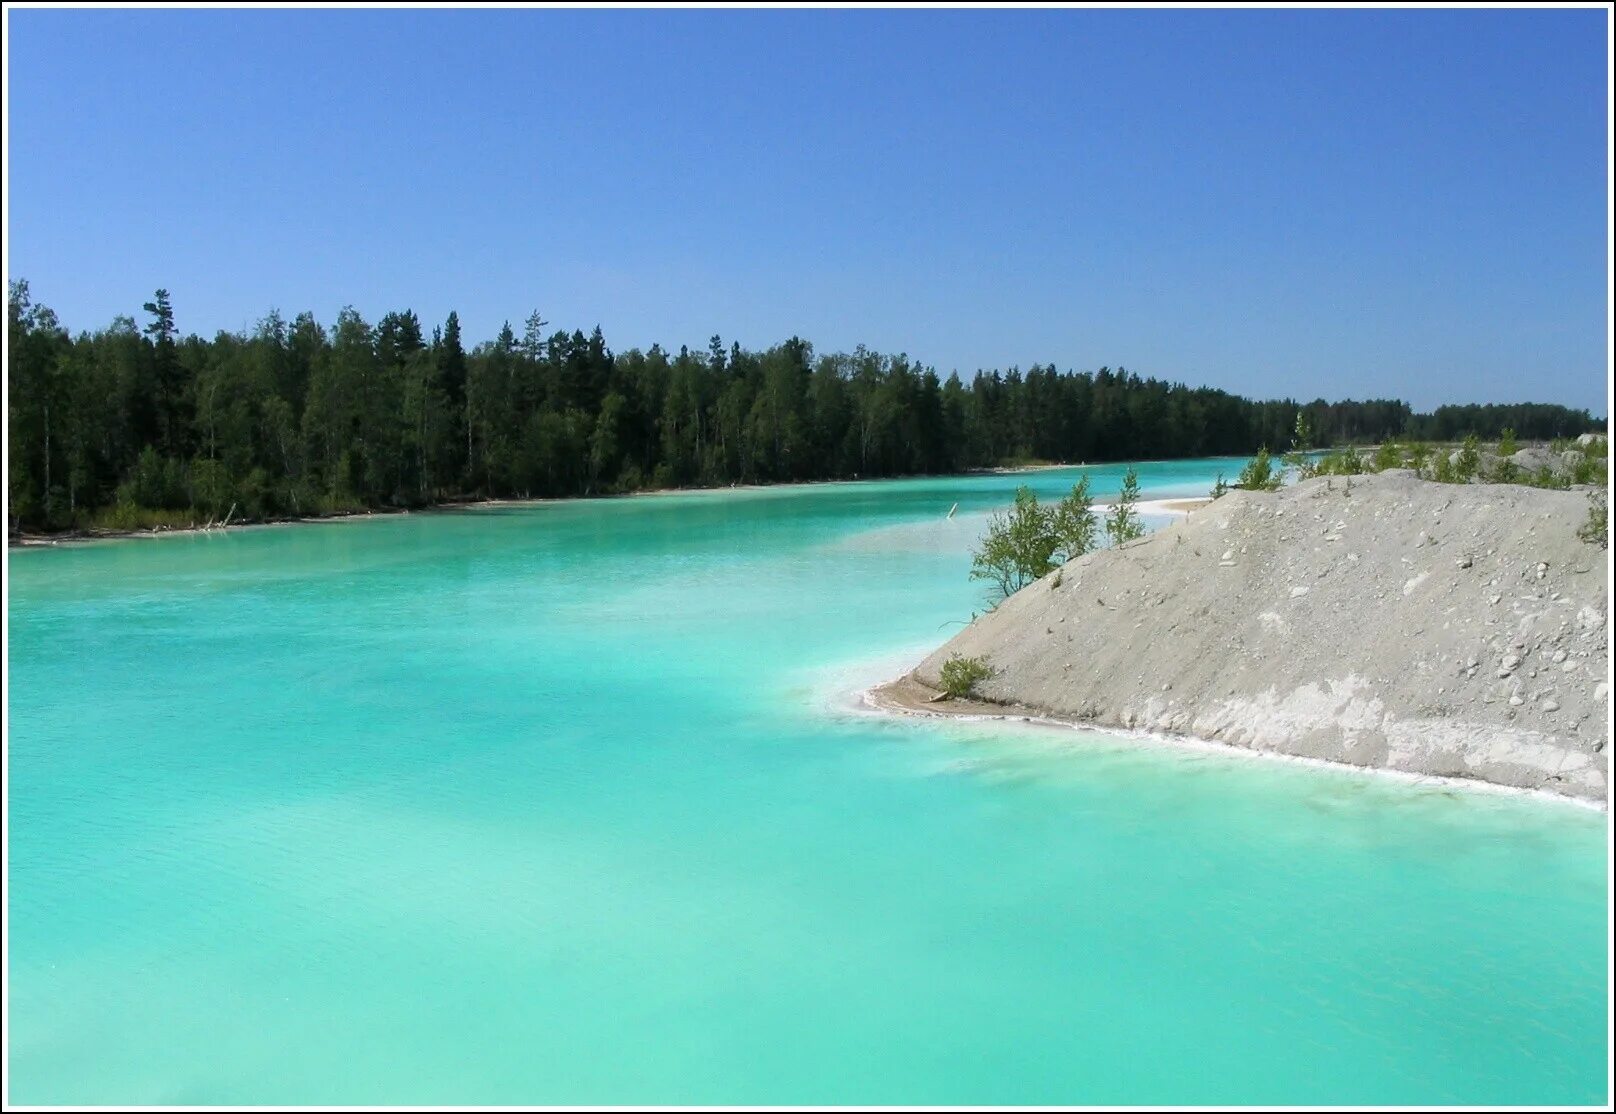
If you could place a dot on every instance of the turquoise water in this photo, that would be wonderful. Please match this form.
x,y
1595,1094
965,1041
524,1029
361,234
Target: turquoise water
x,y
569,803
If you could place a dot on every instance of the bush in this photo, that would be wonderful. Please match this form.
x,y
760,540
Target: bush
x,y
212,492
1469,460
1596,530
1547,477
1018,548
961,674
129,516
155,482
1456,467
1123,524
1259,474
631,478
1506,471
257,495
1342,462
1029,541
1072,521
335,503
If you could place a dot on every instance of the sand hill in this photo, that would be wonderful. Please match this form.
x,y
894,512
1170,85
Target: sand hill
x,y
1390,622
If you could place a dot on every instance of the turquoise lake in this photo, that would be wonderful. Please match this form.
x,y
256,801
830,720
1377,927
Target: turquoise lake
x,y
575,803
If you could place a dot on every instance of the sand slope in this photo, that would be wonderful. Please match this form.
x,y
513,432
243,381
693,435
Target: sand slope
x,y
1396,623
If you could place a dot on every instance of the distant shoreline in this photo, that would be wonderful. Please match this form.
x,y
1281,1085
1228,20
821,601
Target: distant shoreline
x,y
89,536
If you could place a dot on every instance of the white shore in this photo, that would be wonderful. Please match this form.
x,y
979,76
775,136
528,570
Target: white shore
x,y
884,700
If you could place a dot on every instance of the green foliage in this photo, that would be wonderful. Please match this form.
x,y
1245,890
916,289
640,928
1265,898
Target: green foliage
x,y
1122,524
1590,465
1533,421
295,417
1596,529
1259,474
334,503
1029,541
1073,523
155,482
211,490
1019,546
1302,437
960,675
258,496
1388,455
1219,489
1505,471
128,516
1459,467
1343,462
1442,469
1300,459
1506,443
1469,459
1549,478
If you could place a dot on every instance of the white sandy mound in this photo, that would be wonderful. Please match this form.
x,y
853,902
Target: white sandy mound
x,y
1395,623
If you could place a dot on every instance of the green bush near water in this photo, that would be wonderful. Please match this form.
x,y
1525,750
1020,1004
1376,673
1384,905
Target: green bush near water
x,y
1259,474
960,675
1029,541
1122,524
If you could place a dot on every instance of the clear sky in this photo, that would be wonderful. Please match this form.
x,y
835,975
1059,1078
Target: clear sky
x,y
1304,203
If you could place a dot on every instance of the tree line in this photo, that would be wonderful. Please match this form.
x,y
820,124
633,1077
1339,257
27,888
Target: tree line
x,y
137,424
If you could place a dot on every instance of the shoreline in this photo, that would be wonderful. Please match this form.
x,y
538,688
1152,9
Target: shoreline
x,y
92,535
905,696
1181,506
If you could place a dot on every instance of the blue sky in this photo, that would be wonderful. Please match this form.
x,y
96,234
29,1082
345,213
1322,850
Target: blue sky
x,y
1350,203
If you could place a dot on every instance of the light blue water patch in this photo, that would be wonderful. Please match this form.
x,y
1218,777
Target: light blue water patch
x,y
559,804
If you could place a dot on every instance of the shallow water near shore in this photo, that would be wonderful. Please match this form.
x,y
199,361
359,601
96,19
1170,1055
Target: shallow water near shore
x,y
565,803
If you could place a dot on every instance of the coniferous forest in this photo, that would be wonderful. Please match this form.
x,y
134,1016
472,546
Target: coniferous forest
x,y
138,425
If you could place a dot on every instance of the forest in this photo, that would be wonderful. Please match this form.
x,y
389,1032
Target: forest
x,y
137,425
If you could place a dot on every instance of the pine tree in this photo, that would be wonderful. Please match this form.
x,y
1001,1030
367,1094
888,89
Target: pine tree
x,y
167,376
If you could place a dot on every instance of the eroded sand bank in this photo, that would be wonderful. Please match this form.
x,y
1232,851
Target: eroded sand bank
x,y
1431,629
